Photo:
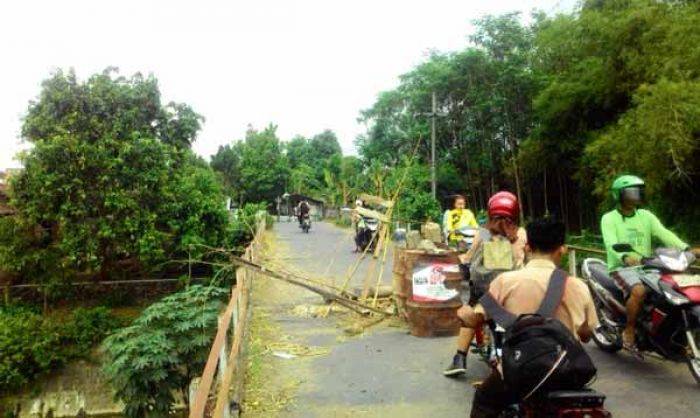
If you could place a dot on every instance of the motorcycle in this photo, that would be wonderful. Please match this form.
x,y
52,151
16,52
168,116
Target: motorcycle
x,y
366,231
466,238
669,321
583,403
305,223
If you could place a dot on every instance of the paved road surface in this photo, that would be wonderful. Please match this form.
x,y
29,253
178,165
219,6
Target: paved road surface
x,y
388,373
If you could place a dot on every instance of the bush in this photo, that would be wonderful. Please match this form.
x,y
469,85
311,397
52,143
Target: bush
x,y
242,228
31,344
160,353
28,346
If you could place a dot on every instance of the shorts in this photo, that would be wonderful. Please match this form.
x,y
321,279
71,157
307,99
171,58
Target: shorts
x,y
626,280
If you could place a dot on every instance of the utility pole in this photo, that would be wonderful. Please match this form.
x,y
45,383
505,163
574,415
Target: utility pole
x,y
433,177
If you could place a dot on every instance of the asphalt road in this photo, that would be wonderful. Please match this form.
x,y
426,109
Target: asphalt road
x,y
388,373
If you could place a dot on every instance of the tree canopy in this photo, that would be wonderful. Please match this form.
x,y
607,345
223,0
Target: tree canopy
x,y
110,179
555,109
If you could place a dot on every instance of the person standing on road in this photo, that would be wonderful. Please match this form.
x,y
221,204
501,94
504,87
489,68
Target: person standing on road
x,y
498,247
627,224
356,219
522,292
456,218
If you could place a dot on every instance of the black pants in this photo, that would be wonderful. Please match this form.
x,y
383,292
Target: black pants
x,y
492,397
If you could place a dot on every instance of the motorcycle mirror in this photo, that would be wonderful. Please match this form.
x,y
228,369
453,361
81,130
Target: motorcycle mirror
x,y
623,248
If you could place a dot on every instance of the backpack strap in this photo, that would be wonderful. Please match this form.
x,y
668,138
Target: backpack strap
x,y
497,312
554,294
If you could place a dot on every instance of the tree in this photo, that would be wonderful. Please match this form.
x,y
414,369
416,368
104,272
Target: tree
x,y
108,105
325,145
97,192
227,162
263,167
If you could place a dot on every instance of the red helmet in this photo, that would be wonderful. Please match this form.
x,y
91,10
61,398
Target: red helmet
x,y
504,204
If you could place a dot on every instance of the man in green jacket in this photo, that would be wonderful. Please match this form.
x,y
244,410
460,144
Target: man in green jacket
x,y
628,224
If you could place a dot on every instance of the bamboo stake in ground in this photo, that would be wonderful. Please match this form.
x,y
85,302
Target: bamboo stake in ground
x,y
373,263
381,273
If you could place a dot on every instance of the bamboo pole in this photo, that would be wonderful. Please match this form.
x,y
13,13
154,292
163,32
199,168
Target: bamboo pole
x,y
341,300
379,276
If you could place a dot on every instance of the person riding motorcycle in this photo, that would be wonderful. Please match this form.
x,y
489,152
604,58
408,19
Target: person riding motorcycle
x,y
303,210
456,218
501,239
628,224
521,292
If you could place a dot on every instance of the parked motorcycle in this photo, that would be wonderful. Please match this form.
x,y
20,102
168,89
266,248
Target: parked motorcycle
x,y
365,235
306,223
669,322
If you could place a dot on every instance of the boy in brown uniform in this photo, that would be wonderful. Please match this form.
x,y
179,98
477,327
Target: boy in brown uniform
x,y
522,292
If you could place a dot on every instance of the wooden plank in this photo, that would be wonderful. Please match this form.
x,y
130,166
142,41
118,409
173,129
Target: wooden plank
x,y
376,200
372,214
200,400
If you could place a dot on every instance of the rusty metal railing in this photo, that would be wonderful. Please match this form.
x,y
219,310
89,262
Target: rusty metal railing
x,y
225,363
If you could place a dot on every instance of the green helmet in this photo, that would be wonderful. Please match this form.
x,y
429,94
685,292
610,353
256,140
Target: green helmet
x,y
624,182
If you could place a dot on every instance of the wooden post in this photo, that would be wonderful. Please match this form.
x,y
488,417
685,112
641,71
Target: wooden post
x,y
572,262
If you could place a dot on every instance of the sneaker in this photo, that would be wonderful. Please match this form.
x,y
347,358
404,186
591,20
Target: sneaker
x,y
458,366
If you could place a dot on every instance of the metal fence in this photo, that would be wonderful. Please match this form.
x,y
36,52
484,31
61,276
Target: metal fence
x,y
219,390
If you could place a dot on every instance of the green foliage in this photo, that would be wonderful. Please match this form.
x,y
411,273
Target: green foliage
x,y
31,344
28,347
263,168
108,106
554,110
88,327
417,207
109,178
158,355
226,162
242,229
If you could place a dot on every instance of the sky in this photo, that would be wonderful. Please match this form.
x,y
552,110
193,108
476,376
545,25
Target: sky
x,y
304,65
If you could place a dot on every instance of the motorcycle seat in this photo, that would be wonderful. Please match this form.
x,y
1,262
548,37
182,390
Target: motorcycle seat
x,y
600,273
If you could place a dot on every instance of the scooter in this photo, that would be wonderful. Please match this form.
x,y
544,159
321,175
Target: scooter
x,y
669,322
305,223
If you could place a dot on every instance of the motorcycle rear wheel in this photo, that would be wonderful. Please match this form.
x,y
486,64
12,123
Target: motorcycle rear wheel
x,y
692,361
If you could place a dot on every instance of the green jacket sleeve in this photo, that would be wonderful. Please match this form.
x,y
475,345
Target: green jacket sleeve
x,y
607,227
666,236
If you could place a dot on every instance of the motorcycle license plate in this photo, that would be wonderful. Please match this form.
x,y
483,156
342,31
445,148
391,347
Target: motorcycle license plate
x,y
687,280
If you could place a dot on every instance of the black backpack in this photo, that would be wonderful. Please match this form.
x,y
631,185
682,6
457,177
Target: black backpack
x,y
540,354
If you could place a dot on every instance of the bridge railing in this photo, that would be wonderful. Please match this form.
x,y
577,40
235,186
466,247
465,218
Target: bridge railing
x,y
221,384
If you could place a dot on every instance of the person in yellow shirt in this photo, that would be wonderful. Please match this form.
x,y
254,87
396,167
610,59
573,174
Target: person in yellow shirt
x,y
457,218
